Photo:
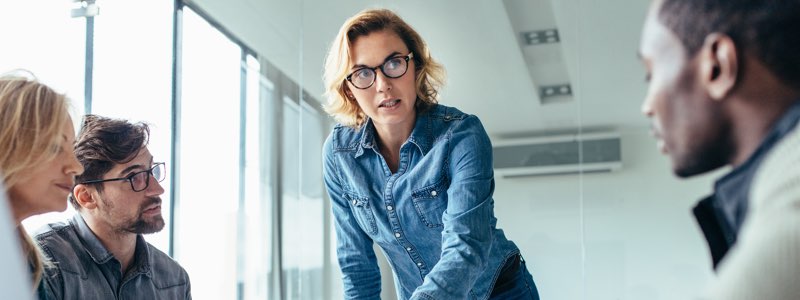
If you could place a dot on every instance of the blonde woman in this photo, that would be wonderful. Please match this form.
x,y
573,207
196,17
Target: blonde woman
x,y
37,163
409,174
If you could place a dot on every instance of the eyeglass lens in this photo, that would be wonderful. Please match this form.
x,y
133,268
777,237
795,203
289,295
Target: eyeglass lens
x,y
141,180
392,68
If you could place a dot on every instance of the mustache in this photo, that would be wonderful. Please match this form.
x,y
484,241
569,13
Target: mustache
x,y
150,201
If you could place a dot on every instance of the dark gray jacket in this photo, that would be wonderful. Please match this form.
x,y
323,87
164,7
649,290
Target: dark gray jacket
x,y
85,270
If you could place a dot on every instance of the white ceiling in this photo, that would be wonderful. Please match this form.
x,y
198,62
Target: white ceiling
x,y
474,39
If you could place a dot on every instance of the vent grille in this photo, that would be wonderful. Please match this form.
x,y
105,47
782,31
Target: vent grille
x,y
558,156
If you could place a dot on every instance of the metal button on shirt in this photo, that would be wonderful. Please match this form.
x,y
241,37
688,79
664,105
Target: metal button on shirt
x,y
389,207
396,234
433,193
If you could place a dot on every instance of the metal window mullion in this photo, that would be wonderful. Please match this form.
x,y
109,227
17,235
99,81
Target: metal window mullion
x,y
241,221
88,66
276,151
177,56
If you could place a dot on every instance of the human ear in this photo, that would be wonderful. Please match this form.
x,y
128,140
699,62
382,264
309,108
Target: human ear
x,y
84,196
719,65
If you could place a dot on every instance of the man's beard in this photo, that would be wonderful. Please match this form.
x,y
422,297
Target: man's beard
x,y
142,226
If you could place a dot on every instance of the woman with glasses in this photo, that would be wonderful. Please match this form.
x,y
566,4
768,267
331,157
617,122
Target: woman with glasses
x,y
37,164
409,174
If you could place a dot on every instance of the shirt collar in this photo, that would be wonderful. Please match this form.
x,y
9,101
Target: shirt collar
x,y
101,255
91,243
367,140
732,190
421,136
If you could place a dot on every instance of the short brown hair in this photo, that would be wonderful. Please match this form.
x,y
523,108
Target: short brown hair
x,y
105,142
767,29
430,77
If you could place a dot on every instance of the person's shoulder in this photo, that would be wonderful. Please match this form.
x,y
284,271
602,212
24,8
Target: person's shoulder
x,y
168,271
55,235
452,121
777,180
343,137
58,242
446,113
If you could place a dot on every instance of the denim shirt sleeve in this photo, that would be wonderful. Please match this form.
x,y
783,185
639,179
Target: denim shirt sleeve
x,y
360,273
467,236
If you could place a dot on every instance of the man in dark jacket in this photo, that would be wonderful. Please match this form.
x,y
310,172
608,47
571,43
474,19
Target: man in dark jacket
x,y
100,252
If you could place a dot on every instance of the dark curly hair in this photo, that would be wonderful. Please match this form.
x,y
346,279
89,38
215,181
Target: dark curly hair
x,y
104,142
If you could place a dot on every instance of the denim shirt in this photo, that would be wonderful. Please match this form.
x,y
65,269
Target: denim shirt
x,y
722,214
433,218
84,269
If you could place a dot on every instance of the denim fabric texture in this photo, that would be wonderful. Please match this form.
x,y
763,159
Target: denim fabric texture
x,y
433,218
519,286
85,270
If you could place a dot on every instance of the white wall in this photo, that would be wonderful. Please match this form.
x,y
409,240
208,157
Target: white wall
x,y
641,240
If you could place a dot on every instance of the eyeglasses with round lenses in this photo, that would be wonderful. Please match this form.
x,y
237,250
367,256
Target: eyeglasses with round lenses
x,y
139,181
394,67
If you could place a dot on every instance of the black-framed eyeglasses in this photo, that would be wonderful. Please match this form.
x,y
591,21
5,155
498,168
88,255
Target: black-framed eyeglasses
x,y
139,180
393,67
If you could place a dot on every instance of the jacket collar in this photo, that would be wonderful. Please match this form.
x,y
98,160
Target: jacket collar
x,y
722,214
421,136
101,255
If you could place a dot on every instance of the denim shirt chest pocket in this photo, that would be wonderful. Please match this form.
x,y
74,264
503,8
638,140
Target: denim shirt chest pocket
x,y
430,202
363,212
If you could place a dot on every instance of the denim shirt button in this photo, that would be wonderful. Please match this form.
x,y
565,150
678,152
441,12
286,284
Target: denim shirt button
x,y
433,193
396,234
408,248
389,207
447,118
355,202
419,264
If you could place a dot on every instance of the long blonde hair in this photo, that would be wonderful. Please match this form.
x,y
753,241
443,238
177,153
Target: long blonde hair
x,y
31,119
430,74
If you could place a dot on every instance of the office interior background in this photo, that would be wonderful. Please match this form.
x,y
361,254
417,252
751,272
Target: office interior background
x,y
233,91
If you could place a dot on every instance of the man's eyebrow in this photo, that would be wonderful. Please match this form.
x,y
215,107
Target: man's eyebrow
x,y
393,54
134,167
131,168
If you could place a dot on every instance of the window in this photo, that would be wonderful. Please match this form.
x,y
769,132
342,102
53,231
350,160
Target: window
x,y
208,150
133,78
303,211
256,215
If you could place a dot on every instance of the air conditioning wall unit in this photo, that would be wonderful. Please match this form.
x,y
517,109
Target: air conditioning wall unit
x,y
558,154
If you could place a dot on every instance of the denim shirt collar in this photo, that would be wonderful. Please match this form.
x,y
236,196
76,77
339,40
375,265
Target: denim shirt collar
x,y
421,135
101,255
732,190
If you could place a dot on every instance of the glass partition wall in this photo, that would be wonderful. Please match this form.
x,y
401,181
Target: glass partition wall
x,y
580,185
233,91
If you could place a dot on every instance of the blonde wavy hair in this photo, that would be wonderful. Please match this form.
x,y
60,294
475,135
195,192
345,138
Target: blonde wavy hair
x,y
430,74
31,119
